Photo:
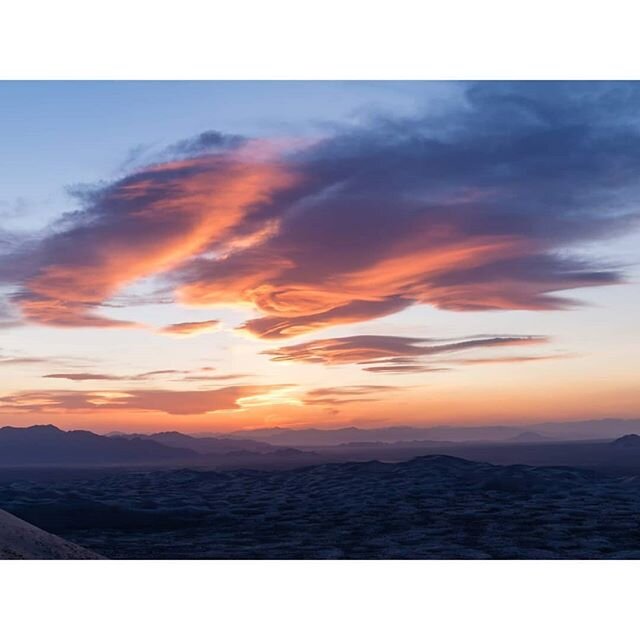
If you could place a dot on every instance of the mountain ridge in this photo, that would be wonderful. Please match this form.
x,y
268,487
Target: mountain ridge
x,y
48,444
574,430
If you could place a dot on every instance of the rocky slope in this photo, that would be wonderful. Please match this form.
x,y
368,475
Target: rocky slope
x,y
20,540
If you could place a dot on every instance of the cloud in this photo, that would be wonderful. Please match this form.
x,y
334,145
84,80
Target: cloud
x,y
205,142
476,211
191,328
48,401
88,375
81,377
511,360
222,376
389,354
158,372
161,400
147,223
331,396
21,360
186,374
481,208
191,402
404,368
355,311
416,368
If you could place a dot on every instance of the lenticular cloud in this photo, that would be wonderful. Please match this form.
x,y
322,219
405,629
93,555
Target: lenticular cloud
x,y
477,209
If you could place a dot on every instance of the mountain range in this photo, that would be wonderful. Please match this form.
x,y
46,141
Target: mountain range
x,y
47,445
206,444
579,430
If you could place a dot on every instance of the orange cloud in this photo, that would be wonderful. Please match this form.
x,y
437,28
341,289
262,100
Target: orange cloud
x,y
390,354
146,224
300,283
270,327
157,400
191,328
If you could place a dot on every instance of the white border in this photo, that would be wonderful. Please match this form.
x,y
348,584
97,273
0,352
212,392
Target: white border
x,y
318,600
333,39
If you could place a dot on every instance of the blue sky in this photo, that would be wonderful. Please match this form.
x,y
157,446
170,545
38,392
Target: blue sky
x,y
99,125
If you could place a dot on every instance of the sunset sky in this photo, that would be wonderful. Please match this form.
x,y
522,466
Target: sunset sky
x,y
225,255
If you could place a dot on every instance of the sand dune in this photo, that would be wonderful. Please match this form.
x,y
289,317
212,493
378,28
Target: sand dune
x,y
431,507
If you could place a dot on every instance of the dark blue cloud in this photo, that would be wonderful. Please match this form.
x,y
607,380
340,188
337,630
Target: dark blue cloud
x,y
521,172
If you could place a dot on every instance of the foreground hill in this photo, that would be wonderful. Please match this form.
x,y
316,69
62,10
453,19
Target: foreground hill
x,y
430,507
631,440
20,540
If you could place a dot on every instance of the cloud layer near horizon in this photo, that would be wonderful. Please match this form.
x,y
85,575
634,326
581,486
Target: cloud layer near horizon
x,y
174,402
473,210
127,400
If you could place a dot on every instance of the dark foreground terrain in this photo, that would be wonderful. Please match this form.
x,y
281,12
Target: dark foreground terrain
x,y
20,540
429,507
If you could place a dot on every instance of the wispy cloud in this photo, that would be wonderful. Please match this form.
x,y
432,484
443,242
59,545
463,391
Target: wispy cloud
x,y
158,372
187,375
391,354
21,360
331,396
404,368
512,359
218,377
182,329
81,377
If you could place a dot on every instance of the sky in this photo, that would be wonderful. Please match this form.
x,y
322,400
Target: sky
x,y
235,255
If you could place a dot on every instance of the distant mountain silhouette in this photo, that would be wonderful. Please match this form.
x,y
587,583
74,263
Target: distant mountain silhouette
x,y
272,448
46,444
530,436
313,437
631,440
206,445
329,437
